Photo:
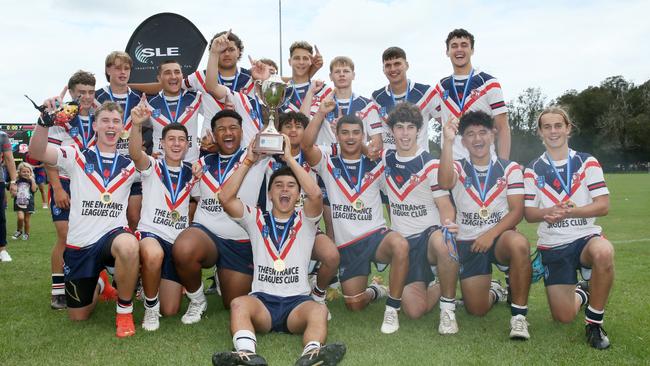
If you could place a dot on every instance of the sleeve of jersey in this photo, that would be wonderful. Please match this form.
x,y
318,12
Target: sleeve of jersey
x,y
370,117
430,103
433,183
248,218
321,167
66,156
495,98
514,179
55,135
194,82
531,197
594,178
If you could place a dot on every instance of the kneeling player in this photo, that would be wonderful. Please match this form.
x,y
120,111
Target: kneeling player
x,y
488,193
568,236
282,241
100,183
165,209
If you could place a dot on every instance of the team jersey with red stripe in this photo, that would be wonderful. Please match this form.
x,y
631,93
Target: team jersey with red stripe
x,y
158,201
295,94
71,134
127,101
252,113
544,189
295,251
209,211
483,94
163,112
421,95
349,223
240,82
506,179
362,107
411,184
90,218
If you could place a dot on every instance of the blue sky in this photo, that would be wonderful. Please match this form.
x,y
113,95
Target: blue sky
x,y
552,45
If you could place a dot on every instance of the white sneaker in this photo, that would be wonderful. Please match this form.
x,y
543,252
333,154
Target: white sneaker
x,y
151,319
194,311
502,294
381,290
24,237
4,256
448,323
519,327
16,235
391,321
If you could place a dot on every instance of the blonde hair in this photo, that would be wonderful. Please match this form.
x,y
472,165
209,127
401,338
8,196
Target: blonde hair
x,y
341,61
114,56
26,165
108,106
555,109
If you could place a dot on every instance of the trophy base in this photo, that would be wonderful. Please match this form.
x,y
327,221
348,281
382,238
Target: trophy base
x,y
269,143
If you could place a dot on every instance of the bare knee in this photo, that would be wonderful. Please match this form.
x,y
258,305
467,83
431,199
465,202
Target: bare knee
x,y
603,257
355,305
127,248
169,309
413,311
476,310
78,316
151,258
563,316
400,248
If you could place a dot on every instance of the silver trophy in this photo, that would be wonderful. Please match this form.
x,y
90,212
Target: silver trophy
x,y
272,92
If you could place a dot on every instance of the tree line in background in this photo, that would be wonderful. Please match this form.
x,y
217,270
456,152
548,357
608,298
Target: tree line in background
x,y
612,123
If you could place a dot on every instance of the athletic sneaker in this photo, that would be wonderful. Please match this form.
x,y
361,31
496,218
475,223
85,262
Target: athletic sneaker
x,y
194,311
151,320
4,256
24,237
596,336
109,293
124,325
584,286
16,235
329,354
391,321
58,302
501,293
245,358
45,206
448,323
380,290
519,327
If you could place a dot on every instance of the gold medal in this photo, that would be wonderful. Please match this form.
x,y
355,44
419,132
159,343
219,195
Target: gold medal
x,y
570,204
105,198
124,135
279,265
483,213
176,216
358,204
216,196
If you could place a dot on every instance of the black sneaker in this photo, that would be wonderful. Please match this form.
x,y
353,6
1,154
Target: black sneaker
x,y
327,355
596,336
584,286
234,358
58,302
212,289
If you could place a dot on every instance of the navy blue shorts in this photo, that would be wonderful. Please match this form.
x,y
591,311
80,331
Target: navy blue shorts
x,y
236,255
561,263
280,308
477,264
136,189
419,266
82,267
167,270
60,214
357,256
40,176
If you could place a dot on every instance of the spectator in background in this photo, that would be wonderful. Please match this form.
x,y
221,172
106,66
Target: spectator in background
x,y
24,200
8,159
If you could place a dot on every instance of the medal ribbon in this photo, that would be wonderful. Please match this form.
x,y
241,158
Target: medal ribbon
x,y
126,105
287,248
566,185
101,168
287,226
406,97
178,107
234,82
220,176
338,108
168,183
450,242
461,103
482,191
357,187
84,136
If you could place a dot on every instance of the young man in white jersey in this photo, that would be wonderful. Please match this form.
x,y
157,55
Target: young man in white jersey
x,y
469,89
167,184
98,237
175,105
353,183
489,197
565,192
117,68
418,209
401,89
282,241
299,97
79,132
213,237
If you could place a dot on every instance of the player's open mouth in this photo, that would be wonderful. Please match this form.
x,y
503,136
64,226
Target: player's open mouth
x,y
284,199
111,134
229,142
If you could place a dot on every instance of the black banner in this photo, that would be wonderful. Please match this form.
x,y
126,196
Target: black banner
x,y
162,37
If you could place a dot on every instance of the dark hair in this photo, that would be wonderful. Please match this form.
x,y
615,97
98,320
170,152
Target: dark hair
x,y
174,127
460,33
393,53
81,77
285,170
349,119
269,62
232,37
405,112
292,116
475,118
167,62
302,45
223,114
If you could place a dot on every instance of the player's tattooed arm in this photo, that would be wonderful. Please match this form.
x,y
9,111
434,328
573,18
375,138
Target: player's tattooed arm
x,y
140,114
446,172
228,196
218,45
310,151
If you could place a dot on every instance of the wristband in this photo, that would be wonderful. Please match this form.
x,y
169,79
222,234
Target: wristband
x,y
247,162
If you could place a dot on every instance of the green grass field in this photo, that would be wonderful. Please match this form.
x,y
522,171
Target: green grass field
x,y
32,334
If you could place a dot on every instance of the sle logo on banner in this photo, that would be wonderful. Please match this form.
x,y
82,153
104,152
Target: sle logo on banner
x,y
143,54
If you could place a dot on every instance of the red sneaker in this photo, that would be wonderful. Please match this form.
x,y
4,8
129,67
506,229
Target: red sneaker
x,y
124,325
110,292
